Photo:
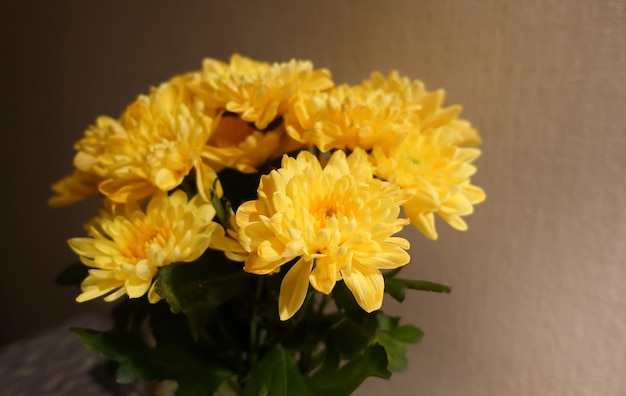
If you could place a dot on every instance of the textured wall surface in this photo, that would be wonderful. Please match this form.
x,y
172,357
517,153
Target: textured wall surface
x,y
539,281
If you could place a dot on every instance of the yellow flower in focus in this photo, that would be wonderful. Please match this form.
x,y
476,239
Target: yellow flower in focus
x,y
426,105
437,171
348,117
127,246
338,221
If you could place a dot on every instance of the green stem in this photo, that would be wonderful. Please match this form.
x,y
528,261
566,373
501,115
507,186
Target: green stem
x,y
254,347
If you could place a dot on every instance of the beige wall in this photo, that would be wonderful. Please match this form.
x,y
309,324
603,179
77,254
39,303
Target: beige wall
x,y
539,282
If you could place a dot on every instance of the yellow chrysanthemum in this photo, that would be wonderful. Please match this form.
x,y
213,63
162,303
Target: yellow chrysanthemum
x,y
87,175
227,115
166,133
348,117
127,246
257,91
426,105
338,220
250,99
437,171
157,141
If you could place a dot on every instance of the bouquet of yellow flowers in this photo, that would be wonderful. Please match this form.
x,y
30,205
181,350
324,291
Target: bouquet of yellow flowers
x,y
249,220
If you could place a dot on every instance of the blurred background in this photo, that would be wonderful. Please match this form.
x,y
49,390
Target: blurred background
x,y
538,305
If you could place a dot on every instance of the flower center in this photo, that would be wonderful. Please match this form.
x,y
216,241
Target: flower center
x,y
145,238
413,160
327,208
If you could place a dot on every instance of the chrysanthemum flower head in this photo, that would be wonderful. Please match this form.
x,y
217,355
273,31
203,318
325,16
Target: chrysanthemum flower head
x,y
437,172
337,221
427,105
250,98
88,173
154,145
260,92
347,117
166,133
127,246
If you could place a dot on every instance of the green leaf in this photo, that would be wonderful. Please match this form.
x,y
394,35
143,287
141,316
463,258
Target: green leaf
x,y
138,362
197,288
396,339
407,334
74,274
397,287
350,338
276,375
343,381
211,279
108,344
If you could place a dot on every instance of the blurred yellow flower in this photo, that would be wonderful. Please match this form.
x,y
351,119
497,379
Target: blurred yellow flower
x,y
127,246
154,145
88,173
226,115
166,133
250,98
426,105
257,91
337,221
348,117
437,171
236,144
73,188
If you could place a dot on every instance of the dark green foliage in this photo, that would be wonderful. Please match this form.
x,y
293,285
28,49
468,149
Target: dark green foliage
x,y
346,378
219,325
276,374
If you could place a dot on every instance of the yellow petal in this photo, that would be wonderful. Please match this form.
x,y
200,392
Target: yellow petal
x,y
83,246
474,194
455,221
257,265
153,296
457,204
136,287
293,289
115,295
367,289
324,276
166,179
425,222
392,257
